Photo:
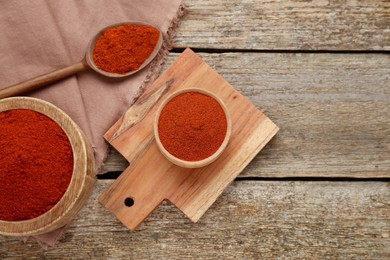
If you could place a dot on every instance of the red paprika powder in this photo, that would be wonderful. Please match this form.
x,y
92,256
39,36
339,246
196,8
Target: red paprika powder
x,y
124,48
192,126
36,164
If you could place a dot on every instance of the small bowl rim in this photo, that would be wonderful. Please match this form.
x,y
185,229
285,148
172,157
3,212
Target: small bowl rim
x,y
203,162
81,182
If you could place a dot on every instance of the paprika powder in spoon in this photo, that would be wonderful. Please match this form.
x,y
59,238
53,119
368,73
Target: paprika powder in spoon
x,y
119,50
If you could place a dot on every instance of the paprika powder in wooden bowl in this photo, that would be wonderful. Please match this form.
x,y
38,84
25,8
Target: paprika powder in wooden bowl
x,y
46,167
192,127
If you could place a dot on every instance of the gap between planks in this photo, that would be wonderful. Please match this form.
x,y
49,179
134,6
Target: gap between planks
x,y
115,175
221,50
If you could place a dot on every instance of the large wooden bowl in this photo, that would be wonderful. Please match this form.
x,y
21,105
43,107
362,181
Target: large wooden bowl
x,y
82,180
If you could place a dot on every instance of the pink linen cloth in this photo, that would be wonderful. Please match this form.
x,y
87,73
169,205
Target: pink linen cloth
x,y
40,36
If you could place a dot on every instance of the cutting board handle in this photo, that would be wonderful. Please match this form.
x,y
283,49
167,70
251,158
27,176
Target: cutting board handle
x,y
133,196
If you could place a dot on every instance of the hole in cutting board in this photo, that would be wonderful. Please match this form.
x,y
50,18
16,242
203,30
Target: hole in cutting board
x,y
129,202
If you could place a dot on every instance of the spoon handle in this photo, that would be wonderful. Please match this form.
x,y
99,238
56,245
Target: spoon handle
x,y
43,80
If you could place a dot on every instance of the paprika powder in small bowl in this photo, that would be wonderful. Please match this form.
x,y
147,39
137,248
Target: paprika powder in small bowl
x,y
192,127
46,167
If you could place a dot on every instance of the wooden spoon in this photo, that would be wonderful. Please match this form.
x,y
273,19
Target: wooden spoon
x,y
86,63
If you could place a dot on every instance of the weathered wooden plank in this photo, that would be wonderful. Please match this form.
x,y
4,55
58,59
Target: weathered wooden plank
x,y
114,162
332,109
252,219
286,25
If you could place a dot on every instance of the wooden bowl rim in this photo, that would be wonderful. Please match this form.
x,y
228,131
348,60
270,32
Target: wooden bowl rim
x,y
208,160
91,46
81,169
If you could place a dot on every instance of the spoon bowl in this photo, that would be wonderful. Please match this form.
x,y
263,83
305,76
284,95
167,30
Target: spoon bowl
x,y
91,47
85,64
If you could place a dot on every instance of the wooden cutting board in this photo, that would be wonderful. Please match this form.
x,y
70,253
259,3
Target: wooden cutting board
x,y
151,178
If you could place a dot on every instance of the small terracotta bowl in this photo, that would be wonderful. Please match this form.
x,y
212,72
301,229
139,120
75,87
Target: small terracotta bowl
x,y
203,162
81,182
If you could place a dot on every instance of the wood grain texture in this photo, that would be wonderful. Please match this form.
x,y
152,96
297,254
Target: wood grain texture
x,y
251,220
42,80
286,25
333,110
151,177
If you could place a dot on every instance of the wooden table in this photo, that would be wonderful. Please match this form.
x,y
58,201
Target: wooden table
x,y
320,189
